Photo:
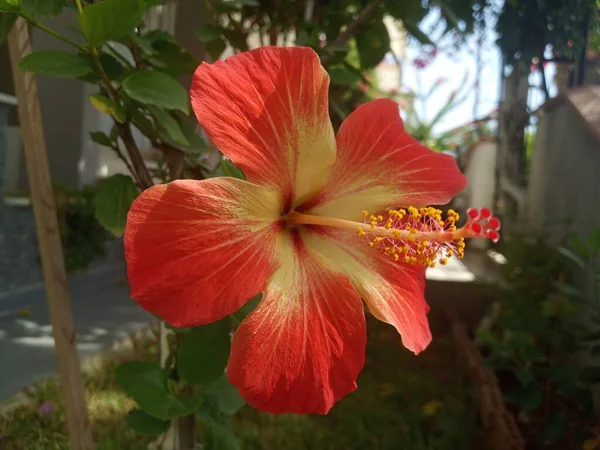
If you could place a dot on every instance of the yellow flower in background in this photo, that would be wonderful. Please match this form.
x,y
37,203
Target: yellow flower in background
x,y
431,408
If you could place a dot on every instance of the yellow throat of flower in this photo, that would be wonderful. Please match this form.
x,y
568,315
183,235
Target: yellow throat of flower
x,y
414,236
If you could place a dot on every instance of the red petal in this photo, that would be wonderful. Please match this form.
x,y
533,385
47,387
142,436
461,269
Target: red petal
x,y
302,349
380,166
267,110
198,250
393,291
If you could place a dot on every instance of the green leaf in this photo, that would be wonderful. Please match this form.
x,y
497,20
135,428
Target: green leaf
x,y
144,423
151,3
173,59
228,169
158,89
372,44
10,5
7,21
141,121
146,384
226,396
144,45
169,124
56,63
556,426
111,20
572,256
215,48
107,106
414,30
114,197
42,8
406,9
209,32
195,142
203,353
223,437
594,241
248,307
100,138
343,76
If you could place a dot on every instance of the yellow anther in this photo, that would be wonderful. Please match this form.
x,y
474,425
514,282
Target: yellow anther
x,y
361,232
365,212
443,261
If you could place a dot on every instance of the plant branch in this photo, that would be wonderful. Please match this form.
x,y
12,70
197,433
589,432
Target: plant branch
x,y
47,30
353,28
140,170
173,156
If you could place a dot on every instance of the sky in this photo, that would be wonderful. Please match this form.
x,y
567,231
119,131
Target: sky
x,y
453,67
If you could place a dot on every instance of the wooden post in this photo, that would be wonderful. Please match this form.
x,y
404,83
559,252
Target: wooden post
x,y
57,289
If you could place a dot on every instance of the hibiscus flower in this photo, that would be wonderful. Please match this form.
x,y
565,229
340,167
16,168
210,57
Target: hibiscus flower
x,y
298,230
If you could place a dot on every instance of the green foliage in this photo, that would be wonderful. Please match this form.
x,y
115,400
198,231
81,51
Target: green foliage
x,y
537,327
138,87
110,20
56,63
157,89
144,423
203,353
372,44
7,21
84,239
42,8
526,28
113,200
148,384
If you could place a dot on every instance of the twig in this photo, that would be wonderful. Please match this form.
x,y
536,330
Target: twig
x,y
353,28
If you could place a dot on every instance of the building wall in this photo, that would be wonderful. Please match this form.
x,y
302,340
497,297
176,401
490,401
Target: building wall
x,y
564,182
564,185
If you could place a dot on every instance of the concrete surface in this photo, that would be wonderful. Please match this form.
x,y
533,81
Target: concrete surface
x,y
103,314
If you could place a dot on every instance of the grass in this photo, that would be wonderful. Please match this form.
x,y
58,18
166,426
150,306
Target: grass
x,y
403,402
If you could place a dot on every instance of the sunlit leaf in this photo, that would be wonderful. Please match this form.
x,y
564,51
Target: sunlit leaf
x,y
107,106
158,89
111,20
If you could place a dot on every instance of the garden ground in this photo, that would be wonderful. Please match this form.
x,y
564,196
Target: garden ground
x,y
403,402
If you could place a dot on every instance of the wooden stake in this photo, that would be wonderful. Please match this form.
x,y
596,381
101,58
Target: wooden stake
x,y
57,289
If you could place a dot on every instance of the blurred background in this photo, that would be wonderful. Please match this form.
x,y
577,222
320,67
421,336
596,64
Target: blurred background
x,y
510,88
